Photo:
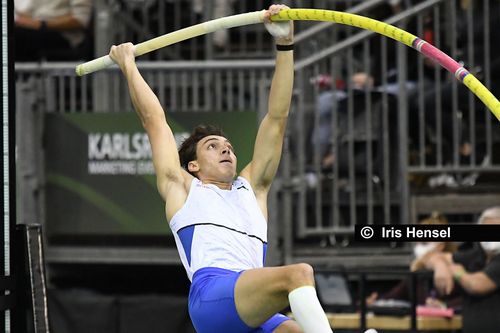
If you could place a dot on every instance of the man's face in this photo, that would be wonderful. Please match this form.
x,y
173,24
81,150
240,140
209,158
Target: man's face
x,y
216,160
491,220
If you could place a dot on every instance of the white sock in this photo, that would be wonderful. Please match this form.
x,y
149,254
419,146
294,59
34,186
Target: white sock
x,y
308,311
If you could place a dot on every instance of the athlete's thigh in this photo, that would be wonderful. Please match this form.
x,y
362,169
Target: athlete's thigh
x,y
260,293
212,307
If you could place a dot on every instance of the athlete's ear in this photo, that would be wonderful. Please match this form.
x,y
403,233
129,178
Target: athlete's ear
x,y
193,166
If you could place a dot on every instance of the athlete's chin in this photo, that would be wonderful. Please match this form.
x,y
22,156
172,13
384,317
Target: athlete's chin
x,y
228,171
228,176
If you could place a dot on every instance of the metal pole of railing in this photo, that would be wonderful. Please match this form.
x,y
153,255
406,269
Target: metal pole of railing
x,y
487,68
403,133
368,143
27,140
300,142
438,101
386,137
413,301
335,152
208,38
317,156
456,117
103,25
472,105
287,205
362,295
421,110
351,143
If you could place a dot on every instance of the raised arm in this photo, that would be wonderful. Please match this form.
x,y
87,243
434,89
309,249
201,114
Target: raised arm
x,y
171,179
440,263
474,283
268,144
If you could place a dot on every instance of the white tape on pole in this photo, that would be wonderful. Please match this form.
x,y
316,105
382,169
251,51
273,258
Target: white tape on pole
x,y
175,37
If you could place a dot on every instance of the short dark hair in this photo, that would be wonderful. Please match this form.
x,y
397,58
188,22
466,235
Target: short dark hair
x,y
187,150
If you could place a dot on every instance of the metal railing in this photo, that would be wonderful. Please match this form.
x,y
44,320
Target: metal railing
x,y
120,21
180,86
382,145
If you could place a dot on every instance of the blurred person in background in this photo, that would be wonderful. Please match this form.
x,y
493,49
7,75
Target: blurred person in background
x,y
219,8
51,29
476,273
326,103
425,295
219,221
332,100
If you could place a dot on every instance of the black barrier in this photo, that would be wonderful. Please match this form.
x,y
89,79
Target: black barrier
x,y
362,277
31,312
118,313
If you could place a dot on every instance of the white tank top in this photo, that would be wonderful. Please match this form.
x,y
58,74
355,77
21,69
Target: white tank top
x,y
220,228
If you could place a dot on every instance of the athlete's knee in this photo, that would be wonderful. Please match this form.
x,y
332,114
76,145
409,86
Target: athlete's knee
x,y
288,326
300,275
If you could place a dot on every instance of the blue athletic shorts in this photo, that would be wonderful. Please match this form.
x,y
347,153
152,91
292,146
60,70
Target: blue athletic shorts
x,y
212,308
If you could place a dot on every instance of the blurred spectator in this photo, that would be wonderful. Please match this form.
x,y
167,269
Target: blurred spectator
x,y
50,29
220,8
326,104
425,295
476,272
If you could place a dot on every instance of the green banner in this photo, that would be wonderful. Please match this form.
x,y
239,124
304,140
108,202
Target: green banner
x,y
100,176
